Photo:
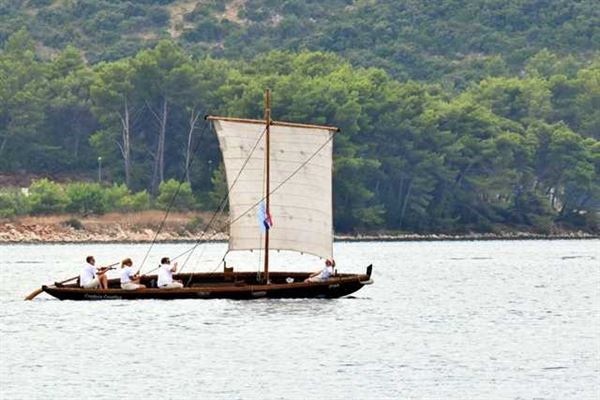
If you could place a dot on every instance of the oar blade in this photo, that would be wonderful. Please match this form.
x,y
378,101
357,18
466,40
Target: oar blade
x,y
34,293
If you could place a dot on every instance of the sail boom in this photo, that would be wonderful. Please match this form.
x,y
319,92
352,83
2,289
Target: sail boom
x,y
273,123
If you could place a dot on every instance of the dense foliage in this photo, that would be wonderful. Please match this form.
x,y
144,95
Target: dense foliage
x,y
518,151
44,196
455,116
451,40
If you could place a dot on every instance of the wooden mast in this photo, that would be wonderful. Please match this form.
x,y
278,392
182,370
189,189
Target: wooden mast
x,y
268,178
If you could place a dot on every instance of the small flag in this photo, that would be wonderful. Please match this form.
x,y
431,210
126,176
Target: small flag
x,y
264,217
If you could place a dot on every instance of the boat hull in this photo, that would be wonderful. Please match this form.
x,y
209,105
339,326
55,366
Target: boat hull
x,y
221,286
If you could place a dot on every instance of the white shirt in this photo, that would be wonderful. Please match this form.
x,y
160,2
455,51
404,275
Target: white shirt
x,y
165,276
126,274
326,272
88,273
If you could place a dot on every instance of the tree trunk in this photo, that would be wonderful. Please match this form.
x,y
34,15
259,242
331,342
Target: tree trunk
x,y
154,183
78,126
406,198
398,201
74,125
126,150
3,145
188,154
163,132
159,158
563,210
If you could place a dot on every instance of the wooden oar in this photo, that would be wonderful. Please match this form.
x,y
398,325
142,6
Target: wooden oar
x,y
40,290
33,294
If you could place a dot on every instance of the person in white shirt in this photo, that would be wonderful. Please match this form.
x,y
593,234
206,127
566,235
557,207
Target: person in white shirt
x,y
129,279
92,277
322,274
165,275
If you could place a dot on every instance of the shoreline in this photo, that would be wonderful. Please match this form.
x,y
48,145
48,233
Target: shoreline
x,y
141,227
339,239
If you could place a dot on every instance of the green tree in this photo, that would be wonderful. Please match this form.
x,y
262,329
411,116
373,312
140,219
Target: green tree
x,y
161,73
114,102
46,197
86,198
68,116
176,196
588,100
22,94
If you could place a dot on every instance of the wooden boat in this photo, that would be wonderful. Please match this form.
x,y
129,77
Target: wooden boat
x,y
280,198
233,285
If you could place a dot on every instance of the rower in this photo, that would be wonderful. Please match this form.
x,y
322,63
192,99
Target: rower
x,y
322,274
129,279
165,275
92,277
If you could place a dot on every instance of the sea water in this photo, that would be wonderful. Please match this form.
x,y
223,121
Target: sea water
x,y
443,320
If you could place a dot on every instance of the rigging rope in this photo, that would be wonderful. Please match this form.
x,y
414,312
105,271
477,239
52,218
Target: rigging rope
x,y
223,202
221,207
173,198
222,227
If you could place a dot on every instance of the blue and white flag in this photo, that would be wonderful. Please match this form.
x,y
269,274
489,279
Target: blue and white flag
x,y
264,217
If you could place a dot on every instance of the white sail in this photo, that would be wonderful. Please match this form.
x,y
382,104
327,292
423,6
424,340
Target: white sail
x,y
300,206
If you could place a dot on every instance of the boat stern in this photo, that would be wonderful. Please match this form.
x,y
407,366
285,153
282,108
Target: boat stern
x,y
368,280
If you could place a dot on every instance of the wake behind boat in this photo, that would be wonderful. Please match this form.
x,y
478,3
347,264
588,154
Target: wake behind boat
x,y
279,178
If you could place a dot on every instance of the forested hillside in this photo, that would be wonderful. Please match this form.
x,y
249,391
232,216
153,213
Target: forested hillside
x,y
454,40
479,115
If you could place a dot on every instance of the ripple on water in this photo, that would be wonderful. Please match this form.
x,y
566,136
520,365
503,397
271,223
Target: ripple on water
x,y
449,320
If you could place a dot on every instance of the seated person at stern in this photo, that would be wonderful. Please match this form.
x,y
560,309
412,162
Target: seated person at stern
x,y
92,277
165,275
129,279
323,274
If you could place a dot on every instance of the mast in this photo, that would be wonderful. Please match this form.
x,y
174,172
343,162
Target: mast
x,y
300,165
268,189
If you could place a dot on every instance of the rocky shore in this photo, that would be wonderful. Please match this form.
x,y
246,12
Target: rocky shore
x,y
109,228
142,228
517,235
35,233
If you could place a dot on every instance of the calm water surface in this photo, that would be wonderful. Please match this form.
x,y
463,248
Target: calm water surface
x,y
444,320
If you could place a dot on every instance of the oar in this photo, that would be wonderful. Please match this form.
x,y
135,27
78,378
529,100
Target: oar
x,y
108,267
33,294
